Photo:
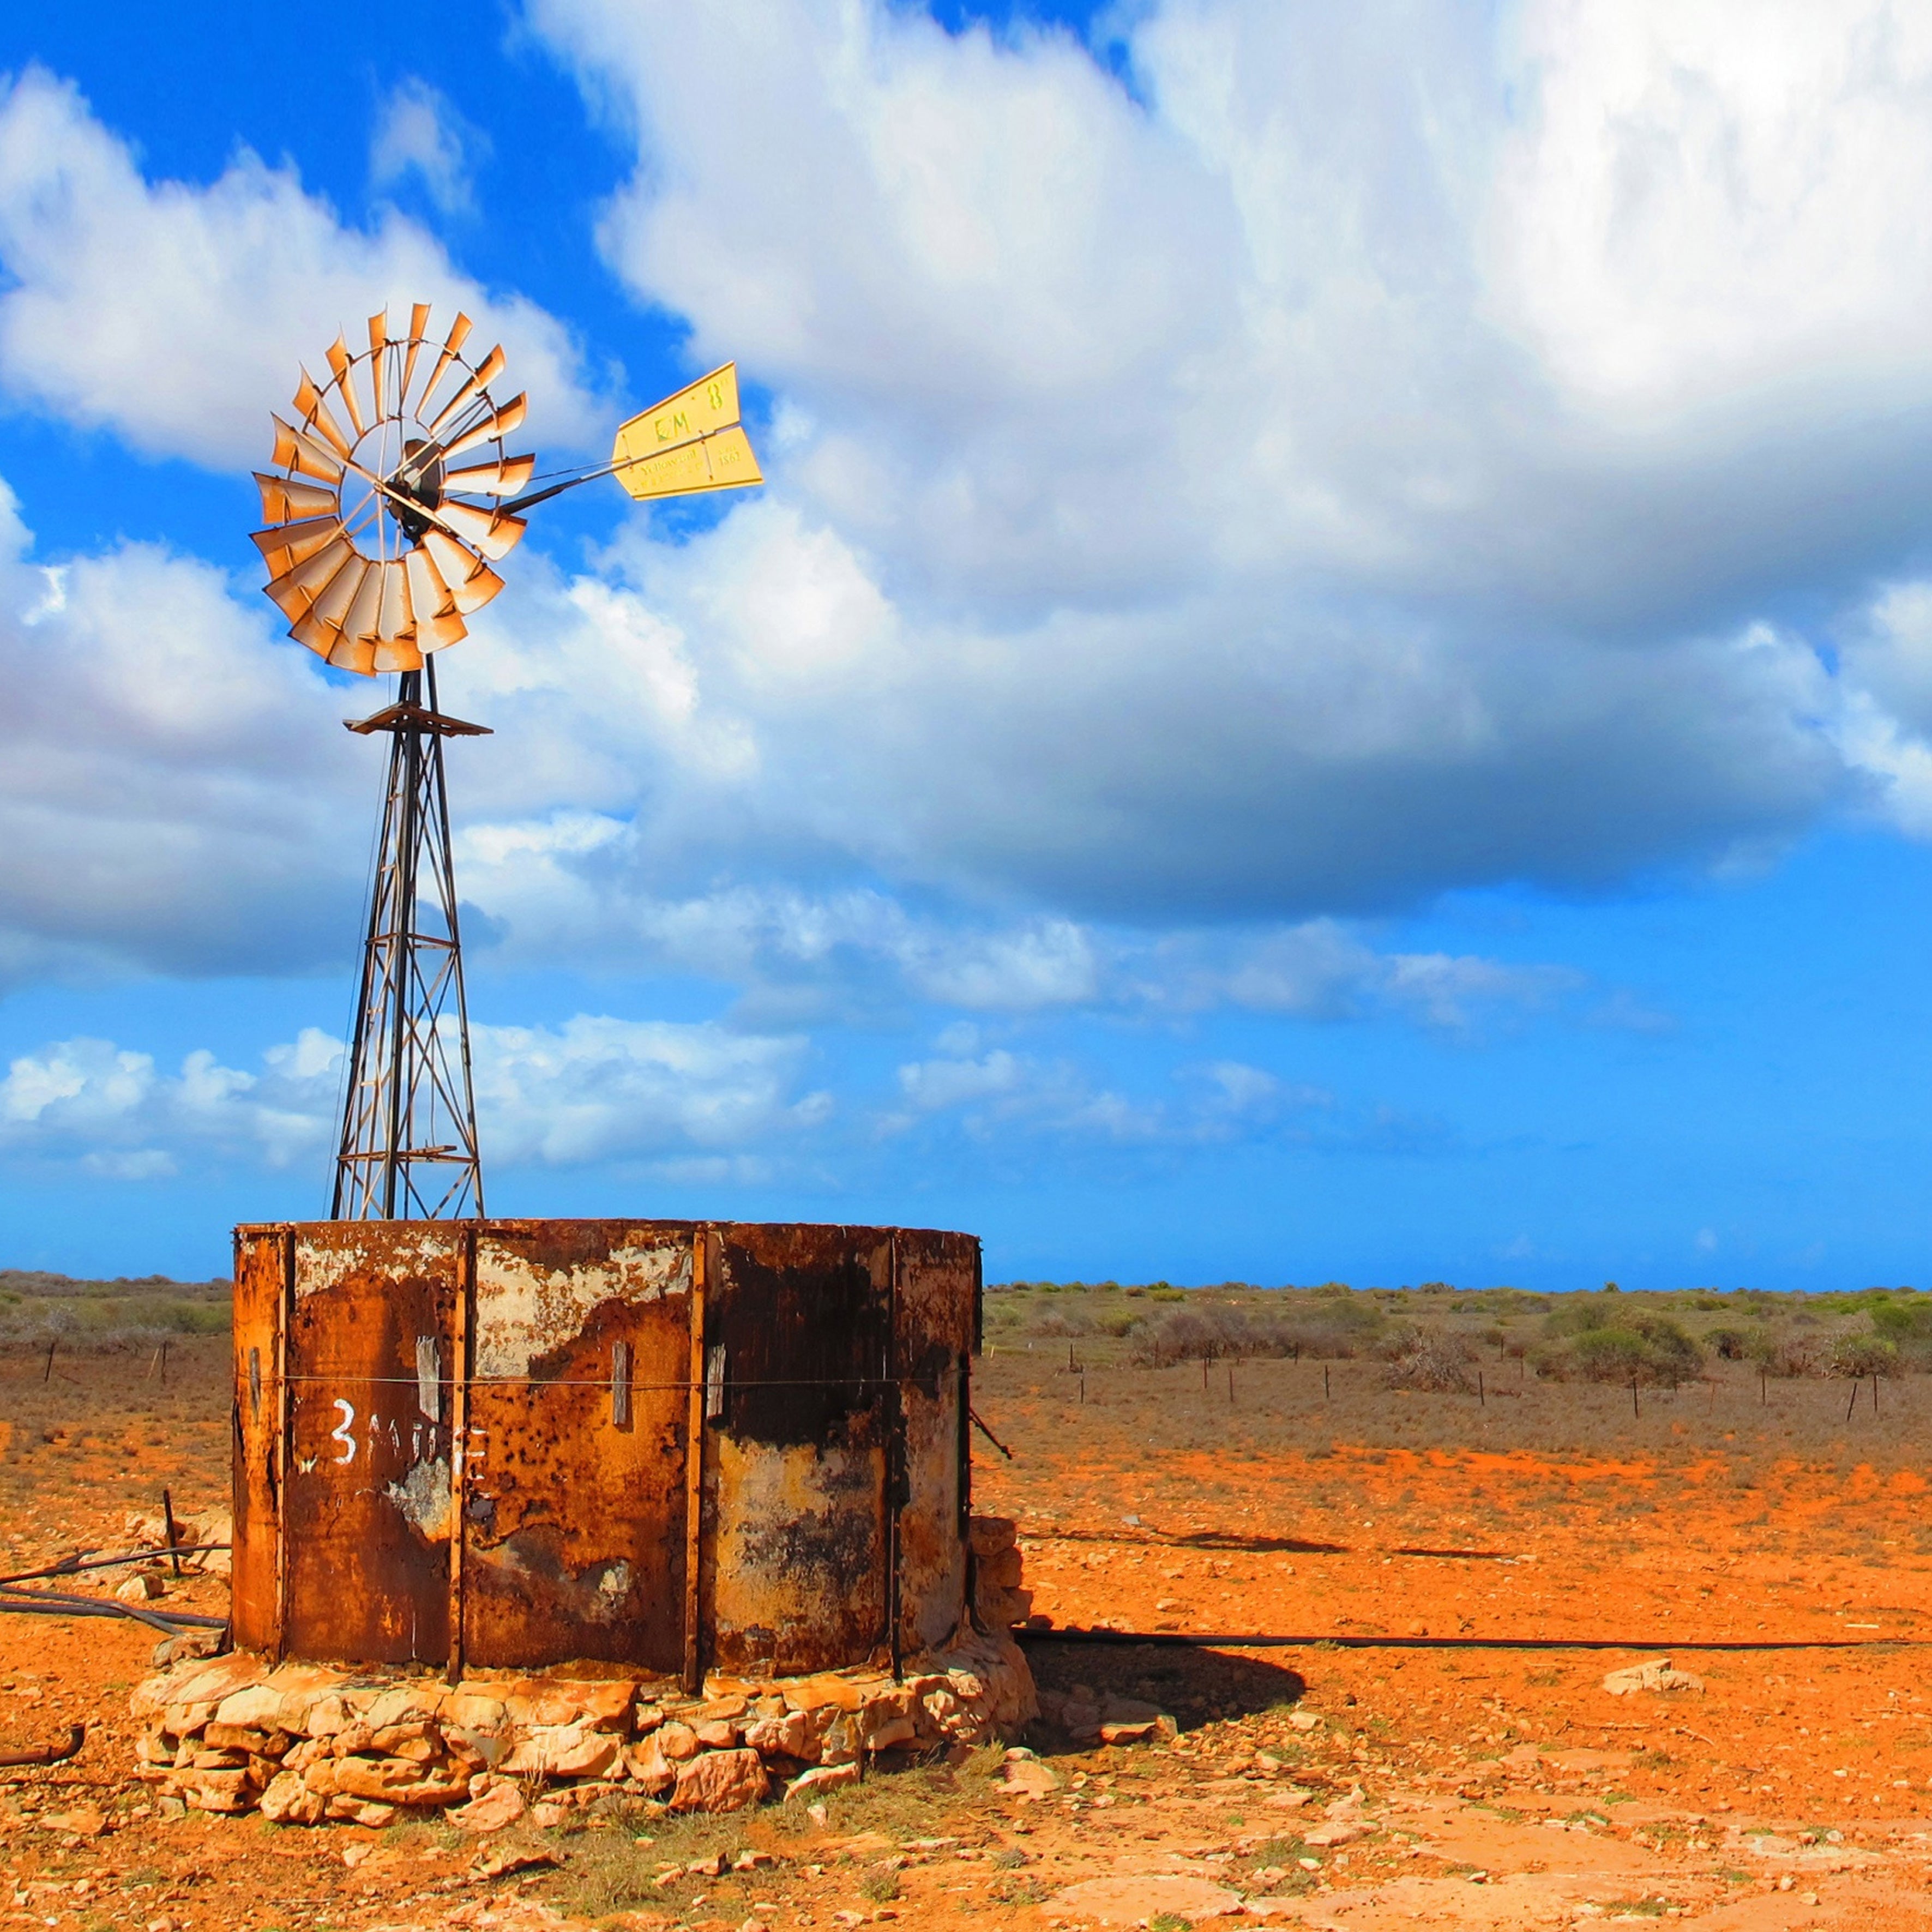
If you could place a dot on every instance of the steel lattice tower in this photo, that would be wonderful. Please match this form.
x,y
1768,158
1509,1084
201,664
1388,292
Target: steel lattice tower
x,y
409,1116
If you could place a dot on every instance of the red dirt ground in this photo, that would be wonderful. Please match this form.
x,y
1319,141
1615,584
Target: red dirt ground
x,y
1504,1786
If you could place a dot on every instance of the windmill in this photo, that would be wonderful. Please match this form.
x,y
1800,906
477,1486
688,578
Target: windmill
x,y
393,495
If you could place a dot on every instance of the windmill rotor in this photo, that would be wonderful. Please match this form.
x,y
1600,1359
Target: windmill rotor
x,y
384,514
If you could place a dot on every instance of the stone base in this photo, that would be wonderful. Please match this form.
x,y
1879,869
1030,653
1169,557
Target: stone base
x,y
305,1742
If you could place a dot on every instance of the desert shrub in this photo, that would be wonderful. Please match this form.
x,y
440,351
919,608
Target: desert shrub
x,y
1443,1363
1905,1327
1639,1348
1122,1323
1733,1345
1779,1352
1209,1330
1854,1356
1075,1321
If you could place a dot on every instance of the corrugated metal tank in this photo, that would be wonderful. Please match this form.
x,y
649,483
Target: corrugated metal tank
x,y
681,1446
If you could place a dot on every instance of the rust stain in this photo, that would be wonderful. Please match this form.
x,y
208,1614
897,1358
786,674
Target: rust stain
x,y
573,1521
260,1272
365,1581
507,1417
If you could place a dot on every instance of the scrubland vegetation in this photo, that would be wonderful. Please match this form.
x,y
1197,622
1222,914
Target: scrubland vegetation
x,y
1435,1336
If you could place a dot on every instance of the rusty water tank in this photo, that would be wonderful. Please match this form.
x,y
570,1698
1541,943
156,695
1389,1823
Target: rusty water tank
x,y
679,1446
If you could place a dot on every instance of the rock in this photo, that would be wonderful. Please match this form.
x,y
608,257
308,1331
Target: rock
x,y
255,1707
501,1803
564,1751
1001,1570
598,1707
893,1731
677,1741
143,1587
646,1762
1340,1832
822,1778
215,1790
473,1710
1657,1675
726,1780
718,1735
188,1644
547,1817
1028,1777
218,1736
788,1736
288,1801
328,1716
501,1864
822,1692
383,1781
85,1821
1305,1720
987,1535
1135,1899
421,1743
404,1704
1130,1734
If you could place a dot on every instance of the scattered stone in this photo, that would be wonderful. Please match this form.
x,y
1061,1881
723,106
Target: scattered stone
x,y
1658,1674
85,1821
1028,1777
143,1587
500,1864
822,1778
1135,1899
1341,1832
500,1803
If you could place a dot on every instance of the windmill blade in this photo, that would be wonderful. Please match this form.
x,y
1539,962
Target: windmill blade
x,y
485,373
429,595
296,590
505,422
313,410
282,498
701,409
418,334
356,654
332,605
393,615
321,638
459,333
472,582
339,361
437,633
400,654
720,462
491,479
295,450
284,544
378,344
437,621
359,621
492,533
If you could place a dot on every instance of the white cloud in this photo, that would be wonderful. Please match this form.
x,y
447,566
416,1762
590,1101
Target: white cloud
x,y
174,786
1363,469
419,132
175,315
598,1088
592,1089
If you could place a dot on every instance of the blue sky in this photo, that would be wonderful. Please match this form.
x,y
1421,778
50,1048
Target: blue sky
x,y
1334,677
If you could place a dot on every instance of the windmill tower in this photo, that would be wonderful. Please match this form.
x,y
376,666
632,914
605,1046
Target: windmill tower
x,y
379,543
